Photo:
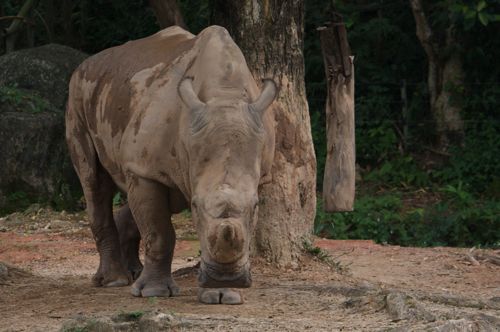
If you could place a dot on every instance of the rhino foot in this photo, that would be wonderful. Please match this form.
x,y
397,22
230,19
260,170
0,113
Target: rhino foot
x,y
219,296
111,277
145,288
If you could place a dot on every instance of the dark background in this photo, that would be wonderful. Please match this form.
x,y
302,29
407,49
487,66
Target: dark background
x,y
410,190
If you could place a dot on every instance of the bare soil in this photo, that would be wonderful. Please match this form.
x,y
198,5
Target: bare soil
x,y
48,258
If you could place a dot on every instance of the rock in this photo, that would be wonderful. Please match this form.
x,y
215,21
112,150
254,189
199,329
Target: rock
x,y
60,224
45,69
89,324
158,321
33,209
465,325
404,307
35,163
133,321
4,272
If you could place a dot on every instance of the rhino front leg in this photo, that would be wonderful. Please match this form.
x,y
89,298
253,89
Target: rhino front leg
x,y
130,239
148,201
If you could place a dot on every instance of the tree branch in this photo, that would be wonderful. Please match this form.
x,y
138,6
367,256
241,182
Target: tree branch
x,y
10,34
424,31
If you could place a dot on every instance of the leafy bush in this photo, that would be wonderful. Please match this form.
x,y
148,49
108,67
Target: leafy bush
x,y
373,218
475,165
459,219
375,143
399,172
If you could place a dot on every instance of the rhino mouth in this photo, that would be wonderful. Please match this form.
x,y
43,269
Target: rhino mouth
x,y
214,275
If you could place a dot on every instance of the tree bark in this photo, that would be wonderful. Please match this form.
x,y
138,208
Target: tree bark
x,y
167,13
270,34
445,78
340,167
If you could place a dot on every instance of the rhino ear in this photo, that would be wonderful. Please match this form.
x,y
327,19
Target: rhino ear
x,y
269,92
188,95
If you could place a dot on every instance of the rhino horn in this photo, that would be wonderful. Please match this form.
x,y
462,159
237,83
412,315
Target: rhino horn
x,y
269,92
188,95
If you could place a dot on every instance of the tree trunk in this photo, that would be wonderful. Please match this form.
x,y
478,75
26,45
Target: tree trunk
x,y
445,78
167,13
270,34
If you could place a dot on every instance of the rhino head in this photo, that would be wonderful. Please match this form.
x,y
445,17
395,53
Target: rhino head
x,y
225,145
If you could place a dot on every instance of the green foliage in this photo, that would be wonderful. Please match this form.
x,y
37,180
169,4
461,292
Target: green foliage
x,y
376,143
17,200
129,316
117,199
374,217
19,100
470,13
459,219
186,213
323,256
399,172
474,166
85,326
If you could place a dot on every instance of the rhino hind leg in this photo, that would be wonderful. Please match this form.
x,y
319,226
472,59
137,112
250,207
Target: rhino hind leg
x,y
98,189
130,239
148,201
219,296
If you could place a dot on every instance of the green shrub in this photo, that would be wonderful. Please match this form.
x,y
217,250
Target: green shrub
x,y
373,218
401,171
475,164
458,219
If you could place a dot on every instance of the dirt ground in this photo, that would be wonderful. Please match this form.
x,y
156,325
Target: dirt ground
x,y
362,286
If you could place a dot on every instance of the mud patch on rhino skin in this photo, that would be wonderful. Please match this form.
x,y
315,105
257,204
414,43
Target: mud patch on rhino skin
x,y
144,153
157,73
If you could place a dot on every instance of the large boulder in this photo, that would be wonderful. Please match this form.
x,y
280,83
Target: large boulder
x,y
33,90
45,69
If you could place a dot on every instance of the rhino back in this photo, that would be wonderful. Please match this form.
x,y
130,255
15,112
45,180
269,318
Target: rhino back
x,y
109,73
108,93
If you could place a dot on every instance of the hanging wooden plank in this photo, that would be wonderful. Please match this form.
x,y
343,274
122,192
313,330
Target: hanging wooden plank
x,y
340,172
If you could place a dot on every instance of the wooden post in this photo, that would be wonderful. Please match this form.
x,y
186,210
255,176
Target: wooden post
x,y
340,172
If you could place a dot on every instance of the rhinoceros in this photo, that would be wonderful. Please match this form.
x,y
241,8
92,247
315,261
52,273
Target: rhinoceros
x,y
174,121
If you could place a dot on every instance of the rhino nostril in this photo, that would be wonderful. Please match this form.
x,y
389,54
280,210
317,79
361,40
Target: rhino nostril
x,y
227,233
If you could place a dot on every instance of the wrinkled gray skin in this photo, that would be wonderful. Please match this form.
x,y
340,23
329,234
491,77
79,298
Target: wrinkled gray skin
x,y
172,120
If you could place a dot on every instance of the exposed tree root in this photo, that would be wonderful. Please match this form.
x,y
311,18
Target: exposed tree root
x,y
476,256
